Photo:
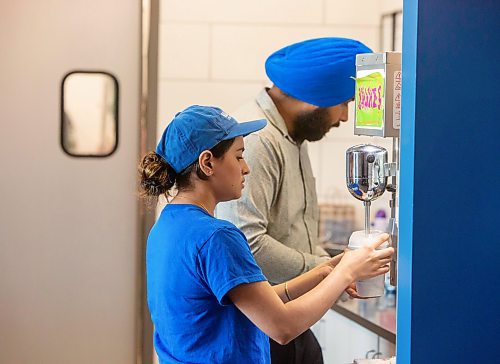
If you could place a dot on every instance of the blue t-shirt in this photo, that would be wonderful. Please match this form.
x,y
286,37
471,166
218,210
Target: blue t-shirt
x,y
193,260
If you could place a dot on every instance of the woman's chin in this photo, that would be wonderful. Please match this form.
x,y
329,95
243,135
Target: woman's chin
x,y
236,196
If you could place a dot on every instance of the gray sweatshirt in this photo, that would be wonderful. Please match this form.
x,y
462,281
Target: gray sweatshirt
x,y
278,210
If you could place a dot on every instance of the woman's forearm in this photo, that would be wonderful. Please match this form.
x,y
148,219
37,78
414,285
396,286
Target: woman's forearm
x,y
302,312
323,295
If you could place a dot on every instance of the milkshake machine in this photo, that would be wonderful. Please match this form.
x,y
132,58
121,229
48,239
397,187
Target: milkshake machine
x,y
377,113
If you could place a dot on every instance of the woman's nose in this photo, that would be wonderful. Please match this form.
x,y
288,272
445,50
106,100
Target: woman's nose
x,y
245,170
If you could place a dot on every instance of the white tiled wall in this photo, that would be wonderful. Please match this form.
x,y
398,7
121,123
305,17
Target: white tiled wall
x,y
239,51
387,6
243,12
353,13
213,53
184,51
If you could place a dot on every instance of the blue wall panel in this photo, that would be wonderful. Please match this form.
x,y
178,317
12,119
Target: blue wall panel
x,y
448,305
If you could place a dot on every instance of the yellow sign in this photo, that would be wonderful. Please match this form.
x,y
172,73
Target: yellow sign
x,y
370,100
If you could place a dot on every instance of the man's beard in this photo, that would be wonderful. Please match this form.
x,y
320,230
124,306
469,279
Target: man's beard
x,y
312,125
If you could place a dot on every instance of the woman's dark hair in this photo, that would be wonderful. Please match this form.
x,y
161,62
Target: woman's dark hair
x,y
157,177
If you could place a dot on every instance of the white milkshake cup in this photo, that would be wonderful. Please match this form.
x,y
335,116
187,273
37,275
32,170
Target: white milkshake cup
x,y
372,287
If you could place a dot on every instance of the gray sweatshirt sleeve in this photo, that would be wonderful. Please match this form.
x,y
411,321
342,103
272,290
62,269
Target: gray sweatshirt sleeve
x,y
251,214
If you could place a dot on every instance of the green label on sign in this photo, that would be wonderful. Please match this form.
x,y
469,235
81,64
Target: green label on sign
x,y
370,101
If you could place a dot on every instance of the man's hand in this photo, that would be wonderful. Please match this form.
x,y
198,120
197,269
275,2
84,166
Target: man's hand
x,y
326,268
352,291
332,262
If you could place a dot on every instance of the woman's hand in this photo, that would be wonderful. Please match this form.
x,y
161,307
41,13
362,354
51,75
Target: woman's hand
x,y
367,262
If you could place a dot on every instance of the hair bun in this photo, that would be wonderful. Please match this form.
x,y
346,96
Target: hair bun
x,y
154,176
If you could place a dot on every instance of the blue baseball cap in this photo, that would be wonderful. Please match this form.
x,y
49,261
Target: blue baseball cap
x,y
199,128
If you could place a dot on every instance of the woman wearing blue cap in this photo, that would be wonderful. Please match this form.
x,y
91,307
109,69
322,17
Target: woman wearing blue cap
x,y
209,301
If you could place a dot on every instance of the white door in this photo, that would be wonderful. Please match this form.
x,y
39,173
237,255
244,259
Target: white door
x,y
69,251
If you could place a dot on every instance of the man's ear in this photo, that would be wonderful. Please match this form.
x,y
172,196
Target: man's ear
x,y
205,160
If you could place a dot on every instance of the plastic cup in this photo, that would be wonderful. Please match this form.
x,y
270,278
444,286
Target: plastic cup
x,y
372,287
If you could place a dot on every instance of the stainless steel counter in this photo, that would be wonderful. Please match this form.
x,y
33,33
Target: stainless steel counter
x,y
372,313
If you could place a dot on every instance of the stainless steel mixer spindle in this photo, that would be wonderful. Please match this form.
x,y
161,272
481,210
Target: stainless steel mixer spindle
x,y
367,217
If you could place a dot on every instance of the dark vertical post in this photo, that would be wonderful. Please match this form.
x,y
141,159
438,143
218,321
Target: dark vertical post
x,y
148,117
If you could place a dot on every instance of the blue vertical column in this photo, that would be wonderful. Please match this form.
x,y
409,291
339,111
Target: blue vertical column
x,y
449,252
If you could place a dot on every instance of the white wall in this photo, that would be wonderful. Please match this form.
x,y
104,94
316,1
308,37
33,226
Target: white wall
x,y
213,53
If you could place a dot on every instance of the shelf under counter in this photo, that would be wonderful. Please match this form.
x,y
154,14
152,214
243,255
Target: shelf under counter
x,y
372,314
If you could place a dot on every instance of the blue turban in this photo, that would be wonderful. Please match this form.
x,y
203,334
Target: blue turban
x,y
317,71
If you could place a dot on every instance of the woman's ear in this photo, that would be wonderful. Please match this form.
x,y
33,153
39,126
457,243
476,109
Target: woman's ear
x,y
205,160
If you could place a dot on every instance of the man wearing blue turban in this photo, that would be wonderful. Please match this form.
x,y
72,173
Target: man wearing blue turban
x,y
278,211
